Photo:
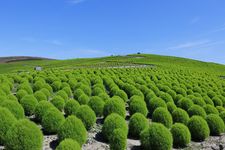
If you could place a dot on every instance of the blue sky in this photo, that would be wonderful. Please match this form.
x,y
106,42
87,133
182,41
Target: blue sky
x,y
92,28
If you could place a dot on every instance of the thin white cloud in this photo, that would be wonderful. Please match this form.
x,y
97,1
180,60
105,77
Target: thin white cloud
x,y
188,45
54,42
75,1
194,20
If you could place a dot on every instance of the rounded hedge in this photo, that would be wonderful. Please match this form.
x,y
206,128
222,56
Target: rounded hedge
x,y
156,137
63,94
12,97
46,92
24,135
209,109
217,101
58,102
52,120
199,128
215,123
171,107
29,103
138,106
73,128
118,140
41,109
185,103
7,120
83,99
15,108
114,105
155,103
78,93
86,115
181,116
112,122
196,110
56,85
181,135
71,107
220,108
137,124
97,105
40,96
162,115
222,116
20,94
68,144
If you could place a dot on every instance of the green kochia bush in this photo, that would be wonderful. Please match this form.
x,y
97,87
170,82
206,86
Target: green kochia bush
x,y
216,124
15,108
199,128
185,103
83,99
156,137
24,135
97,104
68,144
155,103
217,101
29,103
52,120
138,105
63,94
137,124
114,105
73,128
71,107
209,109
171,107
21,93
118,140
40,96
180,115
181,135
7,120
86,115
58,102
162,115
112,122
41,109
196,110
222,116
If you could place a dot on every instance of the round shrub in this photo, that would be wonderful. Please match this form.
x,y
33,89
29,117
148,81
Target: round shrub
x,y
46,92
83,99
86,115
155,103
40,96
114,105
181,135
220,108
162,115
15,108
29,103
56,85
222,116
156,137
171,107
73,128
199,128
112,122
118,140
58,102
71,107
7,120
97,105
68,144
12,97
215,123
24,135
52,120
198,101
217,101
185,103
78,93
41,109
63,94
21,93
138,106
137,124
180,115
196,110
209,109
68,91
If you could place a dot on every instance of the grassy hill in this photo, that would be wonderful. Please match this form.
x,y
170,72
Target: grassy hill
x,y
14,64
